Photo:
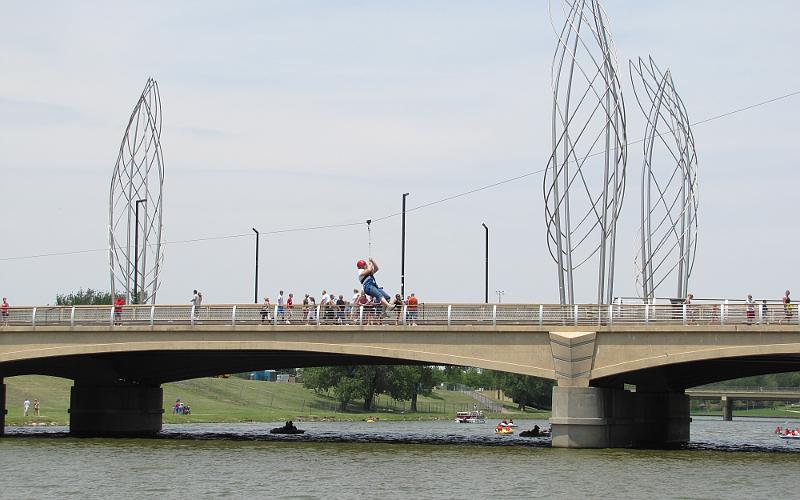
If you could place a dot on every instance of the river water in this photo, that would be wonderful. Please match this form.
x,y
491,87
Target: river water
x,y
409,460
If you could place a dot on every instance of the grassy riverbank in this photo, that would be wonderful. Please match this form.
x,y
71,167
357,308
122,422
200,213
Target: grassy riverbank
x,y
237,400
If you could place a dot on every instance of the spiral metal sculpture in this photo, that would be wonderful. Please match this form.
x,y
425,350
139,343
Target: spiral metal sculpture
x,y
669,182
584,183
135,203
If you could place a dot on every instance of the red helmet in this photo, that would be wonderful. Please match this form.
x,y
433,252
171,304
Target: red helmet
x,y
361,263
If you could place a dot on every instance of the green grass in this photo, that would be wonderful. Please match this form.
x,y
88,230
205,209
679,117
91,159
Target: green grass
x,y
237,400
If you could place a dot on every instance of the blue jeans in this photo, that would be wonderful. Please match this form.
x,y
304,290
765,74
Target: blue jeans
x,y
372,289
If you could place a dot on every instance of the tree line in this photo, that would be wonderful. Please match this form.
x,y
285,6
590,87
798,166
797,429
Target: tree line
x,y
406,383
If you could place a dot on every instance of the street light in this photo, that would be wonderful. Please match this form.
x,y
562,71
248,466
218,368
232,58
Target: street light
x,y
255,296
135,296
486,293
403,252
500,294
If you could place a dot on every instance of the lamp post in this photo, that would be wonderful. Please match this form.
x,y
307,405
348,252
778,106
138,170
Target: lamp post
x,y
403,252
135,296
486,274
255,295
500,294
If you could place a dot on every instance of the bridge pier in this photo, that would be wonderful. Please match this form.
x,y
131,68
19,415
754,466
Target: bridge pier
x,y
600,417
3,410
115,410
727,408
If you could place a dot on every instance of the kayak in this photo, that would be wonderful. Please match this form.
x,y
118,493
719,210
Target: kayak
x,y
504,431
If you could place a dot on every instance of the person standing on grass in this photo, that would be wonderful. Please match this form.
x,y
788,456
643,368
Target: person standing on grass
x,y
26,406
36,407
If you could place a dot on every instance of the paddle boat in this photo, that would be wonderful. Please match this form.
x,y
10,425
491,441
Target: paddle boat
x,y
788,433
503,429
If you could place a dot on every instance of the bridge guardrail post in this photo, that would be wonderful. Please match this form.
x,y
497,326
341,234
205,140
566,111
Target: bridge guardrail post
x,y
233,316
760,314
72,317
723,311
449,314
541,314
576,314
360,315
494,315
111,317
33,317
646,312
611,314
319,307
191,316
152,315
275,315
684,313
405,314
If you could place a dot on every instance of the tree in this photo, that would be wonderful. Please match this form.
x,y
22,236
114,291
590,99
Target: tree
x,y
408,382
528,391
83,298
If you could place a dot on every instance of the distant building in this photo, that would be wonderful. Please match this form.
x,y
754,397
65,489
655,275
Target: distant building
x,y
285,377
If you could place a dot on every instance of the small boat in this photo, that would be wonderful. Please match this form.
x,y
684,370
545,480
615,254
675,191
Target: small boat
x,y
790,436
470,417
370,420
504,430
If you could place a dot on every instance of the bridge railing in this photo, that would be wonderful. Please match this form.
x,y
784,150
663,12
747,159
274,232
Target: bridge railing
x,y
587,315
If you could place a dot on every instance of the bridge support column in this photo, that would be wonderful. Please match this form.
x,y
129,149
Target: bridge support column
x,y
599,417
727,408
3,410
115,410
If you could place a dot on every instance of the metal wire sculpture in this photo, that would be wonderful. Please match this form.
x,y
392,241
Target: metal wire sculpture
x,y
669,183
135,203
584,183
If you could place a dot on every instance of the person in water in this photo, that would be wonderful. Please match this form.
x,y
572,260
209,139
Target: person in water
x,y
366,275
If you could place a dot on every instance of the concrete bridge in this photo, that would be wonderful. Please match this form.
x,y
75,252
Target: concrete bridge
x,y
119,359
727,395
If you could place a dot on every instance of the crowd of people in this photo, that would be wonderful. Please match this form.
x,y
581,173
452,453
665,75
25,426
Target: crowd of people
x,y
370,304
335,308
753,309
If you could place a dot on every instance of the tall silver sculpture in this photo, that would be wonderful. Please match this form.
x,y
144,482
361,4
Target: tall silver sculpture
x,y
585,178
669,182
135,203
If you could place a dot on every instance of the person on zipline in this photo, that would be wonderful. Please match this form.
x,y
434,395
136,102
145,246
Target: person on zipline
x,y
366,275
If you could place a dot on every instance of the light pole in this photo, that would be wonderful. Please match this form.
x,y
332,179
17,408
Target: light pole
x,y
135,296
486,274
500,294
403,252
255,295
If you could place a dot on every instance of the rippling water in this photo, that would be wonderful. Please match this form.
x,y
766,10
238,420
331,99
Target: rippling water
x,y
739,459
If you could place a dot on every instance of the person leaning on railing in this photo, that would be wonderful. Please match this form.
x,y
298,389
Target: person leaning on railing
x,y
688,303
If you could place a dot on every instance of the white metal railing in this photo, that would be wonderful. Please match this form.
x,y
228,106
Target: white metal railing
x,y
722,313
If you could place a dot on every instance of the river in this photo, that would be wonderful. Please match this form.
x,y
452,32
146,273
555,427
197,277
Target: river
x,y
409,460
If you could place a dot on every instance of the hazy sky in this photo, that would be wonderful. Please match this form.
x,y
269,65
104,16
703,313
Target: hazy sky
x,y
298,113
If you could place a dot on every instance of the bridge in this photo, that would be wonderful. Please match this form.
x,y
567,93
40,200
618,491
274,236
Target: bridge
x,y
119,359
727,395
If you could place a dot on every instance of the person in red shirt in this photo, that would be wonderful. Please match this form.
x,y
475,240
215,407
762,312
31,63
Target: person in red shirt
x,y
412,309
4,311
118,303
289,307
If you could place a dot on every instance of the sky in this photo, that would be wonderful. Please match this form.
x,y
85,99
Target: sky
x,y
296,114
